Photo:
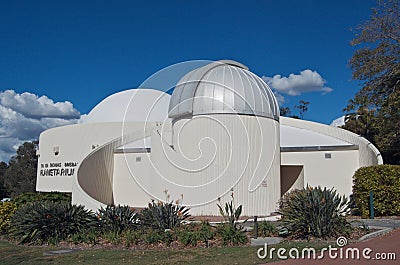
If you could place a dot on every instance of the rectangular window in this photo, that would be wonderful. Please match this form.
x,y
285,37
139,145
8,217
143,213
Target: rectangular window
x,y
56,150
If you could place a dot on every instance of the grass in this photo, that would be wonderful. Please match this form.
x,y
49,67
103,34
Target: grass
x,y
20,254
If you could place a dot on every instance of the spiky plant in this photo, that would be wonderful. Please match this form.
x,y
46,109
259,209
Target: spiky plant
x,y
162,215
117,219
231,232
314,212
49,222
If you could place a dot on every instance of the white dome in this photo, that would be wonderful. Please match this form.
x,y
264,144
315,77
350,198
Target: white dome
x,y
222,87
131,105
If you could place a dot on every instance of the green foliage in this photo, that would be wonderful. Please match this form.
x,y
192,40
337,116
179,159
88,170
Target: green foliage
x,y
131,237
231,235
192,234
230,212
162,215
48,222
116,219
231,232
7,209
374,111
20,175
266,229
314,212
112,237
187,237
384,181
29,197
4,192
152,236
205,232
89,236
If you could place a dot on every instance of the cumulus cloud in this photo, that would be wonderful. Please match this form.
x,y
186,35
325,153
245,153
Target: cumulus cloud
x,y
32,106
24,116
296,84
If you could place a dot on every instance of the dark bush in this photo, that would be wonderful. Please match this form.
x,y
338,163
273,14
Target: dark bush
x,y
231,235
384,181
29,197
163,215
314,212
116,219
266,229
48,222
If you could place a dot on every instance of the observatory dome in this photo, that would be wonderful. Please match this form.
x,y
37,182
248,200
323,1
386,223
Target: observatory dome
x,y
222,87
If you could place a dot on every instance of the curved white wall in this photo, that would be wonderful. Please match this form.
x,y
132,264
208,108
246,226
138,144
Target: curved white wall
x,y
210,156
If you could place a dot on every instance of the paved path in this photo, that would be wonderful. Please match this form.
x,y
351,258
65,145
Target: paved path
x,y
389,243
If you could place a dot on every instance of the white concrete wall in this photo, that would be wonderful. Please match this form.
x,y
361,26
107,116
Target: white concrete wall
x,y
369,154
211,155
336,172
76,143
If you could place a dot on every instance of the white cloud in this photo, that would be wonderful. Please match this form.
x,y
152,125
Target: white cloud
x,y
294,85
32,106
338,122
24,116
279,98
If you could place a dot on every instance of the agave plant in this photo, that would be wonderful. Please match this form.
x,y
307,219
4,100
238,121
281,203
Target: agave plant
x,y
117,219
315,212
162,215
49,222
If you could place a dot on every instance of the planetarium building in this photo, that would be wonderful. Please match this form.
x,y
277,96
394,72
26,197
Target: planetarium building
x,y
219,132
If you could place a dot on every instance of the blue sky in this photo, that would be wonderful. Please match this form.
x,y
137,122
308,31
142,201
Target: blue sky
x,y
83,51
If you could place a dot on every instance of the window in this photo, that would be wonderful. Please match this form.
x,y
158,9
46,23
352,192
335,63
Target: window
x,y
56,150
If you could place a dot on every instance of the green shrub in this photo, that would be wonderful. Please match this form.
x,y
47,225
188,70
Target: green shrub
x,y
384,181
48,222
152,236
192,234
187,237
206,232
163,215
266,229
116,219
29,197
131,237
231,235
112,237
314,212
188,234
7,209
231,232
89,237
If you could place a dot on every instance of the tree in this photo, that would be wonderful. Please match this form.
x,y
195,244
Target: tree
x,y
285,111
302,107
376,107
3,190
20,175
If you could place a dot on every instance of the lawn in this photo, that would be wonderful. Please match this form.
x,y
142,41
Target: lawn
x,y
20,254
